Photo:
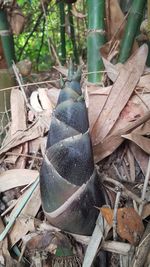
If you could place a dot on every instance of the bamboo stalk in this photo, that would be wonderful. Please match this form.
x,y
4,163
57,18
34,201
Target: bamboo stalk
x,y
133,24
95,38
62,33
73,37
7,39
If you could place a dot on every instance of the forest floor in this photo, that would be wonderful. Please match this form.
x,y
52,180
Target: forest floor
x,y
119,120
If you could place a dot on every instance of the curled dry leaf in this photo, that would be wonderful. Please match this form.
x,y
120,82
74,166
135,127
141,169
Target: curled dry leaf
x,y
9,179
129,223
120,93
140,137
141,141
37,129
18,123
140,156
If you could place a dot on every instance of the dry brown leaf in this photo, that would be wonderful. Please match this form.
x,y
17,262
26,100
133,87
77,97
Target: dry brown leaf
x,y
34,145
97,98
16,177
18,123
119,95
36,130
107,214
21,161
18,111
45,100
5,258
111,70
144,129
144,82
141,141
53,94
112,141
146,211
140,156
116,19
129,223
61,69
25,221
131,162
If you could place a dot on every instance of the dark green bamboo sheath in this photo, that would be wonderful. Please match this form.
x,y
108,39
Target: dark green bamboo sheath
x,y
70,188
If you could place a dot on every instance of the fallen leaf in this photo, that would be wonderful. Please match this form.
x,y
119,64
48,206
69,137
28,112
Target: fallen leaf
x,y
120,93
45,100
116,20
25,221
37,129
107,214
129,223
146,211
140,156
97,98
18,123
141,141
144,82
113,141
16,177
131,163
53,94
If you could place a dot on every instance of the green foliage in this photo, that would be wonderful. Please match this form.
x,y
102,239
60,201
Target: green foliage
x,y
37,49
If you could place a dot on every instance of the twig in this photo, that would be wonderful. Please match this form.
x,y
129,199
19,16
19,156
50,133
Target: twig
x,y
139,96
13,203
143,249
23,155
15,69
126,191
115,215
29,84
19,80
147,177
100,232
49,41
116,170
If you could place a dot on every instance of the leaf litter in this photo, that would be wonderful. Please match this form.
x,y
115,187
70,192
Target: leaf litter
x,y
120,129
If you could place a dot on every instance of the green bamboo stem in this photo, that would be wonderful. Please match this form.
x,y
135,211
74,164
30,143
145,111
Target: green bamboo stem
x,y
62,33
133,23
95,38
7,39
73,38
